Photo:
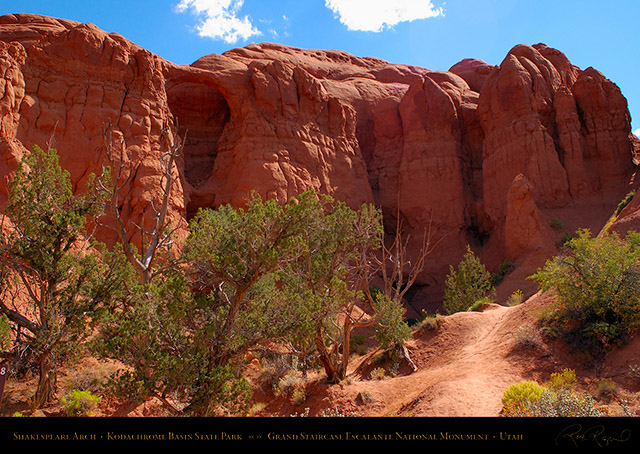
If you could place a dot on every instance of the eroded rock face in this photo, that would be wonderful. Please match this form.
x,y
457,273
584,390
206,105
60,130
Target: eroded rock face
x,y
475,72
539,114
480,153
525,228
72,80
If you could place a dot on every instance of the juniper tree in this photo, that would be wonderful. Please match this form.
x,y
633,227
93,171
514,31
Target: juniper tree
x,y
254,275
185,334
596,282
467,284
327,275
56,281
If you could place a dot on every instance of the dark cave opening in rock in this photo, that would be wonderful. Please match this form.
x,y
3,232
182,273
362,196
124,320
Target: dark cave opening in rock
x,y
202,113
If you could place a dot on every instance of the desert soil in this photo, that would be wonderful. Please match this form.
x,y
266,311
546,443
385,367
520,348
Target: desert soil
x,y
462,369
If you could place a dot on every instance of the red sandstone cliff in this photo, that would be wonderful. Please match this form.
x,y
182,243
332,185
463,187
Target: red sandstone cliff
x,y
491,154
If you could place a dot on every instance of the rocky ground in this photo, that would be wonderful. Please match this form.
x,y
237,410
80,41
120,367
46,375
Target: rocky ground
x,y
463,368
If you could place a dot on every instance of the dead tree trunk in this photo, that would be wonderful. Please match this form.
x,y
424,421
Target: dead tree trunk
x,y
161,232
398,272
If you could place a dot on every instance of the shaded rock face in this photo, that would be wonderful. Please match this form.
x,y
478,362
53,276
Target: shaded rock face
x,y
485,155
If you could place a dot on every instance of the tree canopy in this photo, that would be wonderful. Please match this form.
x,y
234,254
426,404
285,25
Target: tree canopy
x,y
295,275
597,285
54,280
467,284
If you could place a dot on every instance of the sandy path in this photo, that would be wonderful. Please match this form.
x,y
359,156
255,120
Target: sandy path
x,y
463,370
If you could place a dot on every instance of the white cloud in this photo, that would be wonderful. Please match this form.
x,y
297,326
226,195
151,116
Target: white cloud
x,y
375,15
218,19
637,132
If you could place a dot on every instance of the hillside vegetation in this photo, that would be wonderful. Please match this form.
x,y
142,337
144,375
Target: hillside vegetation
x,y
269,310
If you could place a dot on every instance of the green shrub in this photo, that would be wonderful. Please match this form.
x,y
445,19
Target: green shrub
x,y
466,285
289,383
518,397
81,403
607,389
557,224
5,333
298,396
431,322
378,374
562,380
624,202
566,237
480,304
226,393
276,368
556,399
597,287
515,298
391,329
365,397
358,339
504,268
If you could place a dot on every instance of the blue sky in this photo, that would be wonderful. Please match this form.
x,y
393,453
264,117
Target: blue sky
x,y
433,34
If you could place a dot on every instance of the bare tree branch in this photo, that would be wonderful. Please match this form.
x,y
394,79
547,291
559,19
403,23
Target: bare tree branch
x,y
159,235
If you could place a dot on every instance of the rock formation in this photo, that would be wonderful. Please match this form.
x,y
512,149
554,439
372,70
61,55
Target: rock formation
x,y
487,155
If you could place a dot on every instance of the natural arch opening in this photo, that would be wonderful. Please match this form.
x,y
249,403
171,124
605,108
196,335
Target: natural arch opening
x,y
202,112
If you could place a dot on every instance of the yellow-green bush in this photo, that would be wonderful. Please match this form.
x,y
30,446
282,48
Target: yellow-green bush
x,y
518,397
81,403
515,298
562,380
555,399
